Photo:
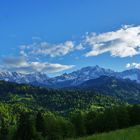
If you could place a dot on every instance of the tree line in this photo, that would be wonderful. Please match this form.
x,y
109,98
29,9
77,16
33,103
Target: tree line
x,y
41,125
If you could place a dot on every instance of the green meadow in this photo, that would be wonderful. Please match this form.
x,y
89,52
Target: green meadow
x,y
132,133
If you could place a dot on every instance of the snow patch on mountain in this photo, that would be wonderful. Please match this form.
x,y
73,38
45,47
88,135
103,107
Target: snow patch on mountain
x,y
69,79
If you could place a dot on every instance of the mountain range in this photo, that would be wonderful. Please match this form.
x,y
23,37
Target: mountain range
x,y
124,89
74,78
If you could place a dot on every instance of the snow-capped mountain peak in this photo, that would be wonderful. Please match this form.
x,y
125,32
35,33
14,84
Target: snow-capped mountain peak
x,y
132,74
69,79
22,78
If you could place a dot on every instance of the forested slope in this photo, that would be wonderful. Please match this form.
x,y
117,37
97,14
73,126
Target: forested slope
x,y
34,113
61,101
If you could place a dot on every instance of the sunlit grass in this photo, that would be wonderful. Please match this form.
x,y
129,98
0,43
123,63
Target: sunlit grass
x,y
132,133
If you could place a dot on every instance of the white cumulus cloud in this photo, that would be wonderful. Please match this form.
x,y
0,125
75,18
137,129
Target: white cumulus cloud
x,y
124,42
20,64
133,65
52,50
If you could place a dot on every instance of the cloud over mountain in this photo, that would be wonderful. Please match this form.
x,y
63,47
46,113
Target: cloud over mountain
x,y
38,56
52,50
20,64
124,42
133,65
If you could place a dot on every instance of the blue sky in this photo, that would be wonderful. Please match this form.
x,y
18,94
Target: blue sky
x,y
56,36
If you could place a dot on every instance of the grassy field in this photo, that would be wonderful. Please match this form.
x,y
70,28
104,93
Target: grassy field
x,y
132,133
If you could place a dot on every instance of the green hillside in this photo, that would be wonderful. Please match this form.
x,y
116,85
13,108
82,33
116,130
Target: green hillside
x,y
33,113
124,89
61,101
132,133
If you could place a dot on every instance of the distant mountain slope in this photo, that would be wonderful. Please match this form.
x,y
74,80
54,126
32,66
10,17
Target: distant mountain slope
x,y
132,74
121,88
84,74
23,78
61,101
71,79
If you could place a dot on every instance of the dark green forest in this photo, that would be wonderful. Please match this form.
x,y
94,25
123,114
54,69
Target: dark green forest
x,y
124,89
34,113
60,101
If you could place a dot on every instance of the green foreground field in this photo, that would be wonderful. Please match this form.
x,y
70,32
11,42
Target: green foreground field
x,y
132,133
